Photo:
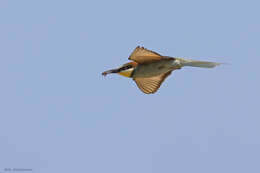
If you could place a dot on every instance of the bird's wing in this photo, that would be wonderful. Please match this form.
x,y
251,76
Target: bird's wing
x,y
152,84
142,55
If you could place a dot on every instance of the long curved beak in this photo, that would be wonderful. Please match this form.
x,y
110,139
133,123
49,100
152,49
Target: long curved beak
x,y
110,71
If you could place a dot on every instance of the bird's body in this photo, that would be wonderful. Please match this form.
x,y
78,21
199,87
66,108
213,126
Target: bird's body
x,y
149,69
154,68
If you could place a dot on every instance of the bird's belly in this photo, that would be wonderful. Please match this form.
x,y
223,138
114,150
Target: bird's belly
x,y
153,69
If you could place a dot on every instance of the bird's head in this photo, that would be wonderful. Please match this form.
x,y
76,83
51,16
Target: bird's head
x,y
125,70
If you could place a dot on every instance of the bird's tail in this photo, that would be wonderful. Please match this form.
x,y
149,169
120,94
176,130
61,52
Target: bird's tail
x,y
193,63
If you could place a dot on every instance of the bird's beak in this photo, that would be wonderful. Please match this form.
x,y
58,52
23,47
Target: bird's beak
x,y
110,71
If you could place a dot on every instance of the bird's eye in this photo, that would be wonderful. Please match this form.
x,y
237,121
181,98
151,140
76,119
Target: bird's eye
x,y
125,67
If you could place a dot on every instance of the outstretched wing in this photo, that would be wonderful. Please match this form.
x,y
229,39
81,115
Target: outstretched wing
x,y
142,55
152,84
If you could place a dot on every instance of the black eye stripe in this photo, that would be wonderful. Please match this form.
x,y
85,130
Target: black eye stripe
x,y
125,67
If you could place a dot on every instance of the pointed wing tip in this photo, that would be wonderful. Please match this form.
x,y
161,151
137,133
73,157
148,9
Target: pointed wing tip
x,y
149,92
153,92
141,55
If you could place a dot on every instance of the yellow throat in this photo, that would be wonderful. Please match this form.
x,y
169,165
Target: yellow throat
x,y
126,73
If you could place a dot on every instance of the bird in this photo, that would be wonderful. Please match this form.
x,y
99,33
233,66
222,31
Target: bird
x,y
149,69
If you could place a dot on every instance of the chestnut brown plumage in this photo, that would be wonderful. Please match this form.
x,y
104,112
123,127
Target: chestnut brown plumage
x,y
149,69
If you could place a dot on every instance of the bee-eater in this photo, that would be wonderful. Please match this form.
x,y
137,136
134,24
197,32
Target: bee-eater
x,y
149,69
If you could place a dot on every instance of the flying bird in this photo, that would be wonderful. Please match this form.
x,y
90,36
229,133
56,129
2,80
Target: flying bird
x,y
149,69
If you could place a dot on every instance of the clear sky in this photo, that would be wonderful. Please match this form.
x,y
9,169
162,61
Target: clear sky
x,y
59,114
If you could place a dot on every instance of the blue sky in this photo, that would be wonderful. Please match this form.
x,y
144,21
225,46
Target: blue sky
x,y
58,114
